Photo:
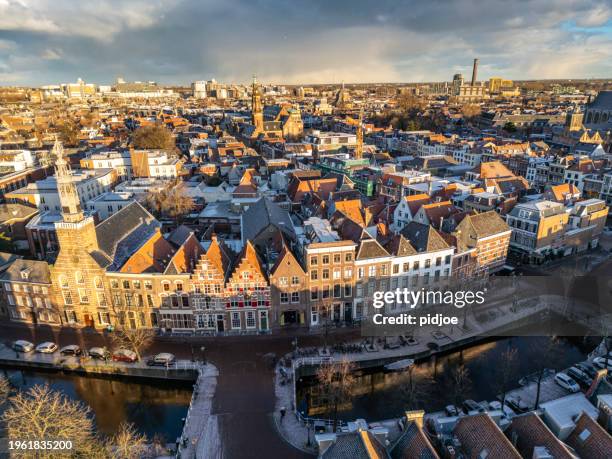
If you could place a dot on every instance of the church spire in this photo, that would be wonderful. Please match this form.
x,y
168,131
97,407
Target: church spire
x,y
256,106
68,194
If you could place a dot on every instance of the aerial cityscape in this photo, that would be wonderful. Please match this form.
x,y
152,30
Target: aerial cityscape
x,y
375,230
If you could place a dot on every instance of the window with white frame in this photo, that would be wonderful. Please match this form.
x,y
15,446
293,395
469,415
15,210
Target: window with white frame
x,y
250,319
67,297
235,320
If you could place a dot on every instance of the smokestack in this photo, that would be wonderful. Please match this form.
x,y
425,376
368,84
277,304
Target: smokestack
x,y
474,72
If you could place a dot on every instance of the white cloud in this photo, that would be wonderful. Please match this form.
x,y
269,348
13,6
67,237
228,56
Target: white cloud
x,y
99,20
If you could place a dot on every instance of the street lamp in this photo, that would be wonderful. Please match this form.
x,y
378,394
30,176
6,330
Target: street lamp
x,y
202,350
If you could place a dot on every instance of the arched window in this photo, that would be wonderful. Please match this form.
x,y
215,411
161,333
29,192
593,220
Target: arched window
x,y
78,277
98,283
596,118
589,118
63,281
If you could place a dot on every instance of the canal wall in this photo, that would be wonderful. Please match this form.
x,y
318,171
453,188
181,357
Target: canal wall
x,y
182,370
420,352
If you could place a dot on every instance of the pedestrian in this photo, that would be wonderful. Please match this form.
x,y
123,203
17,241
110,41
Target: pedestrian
x,y
283,411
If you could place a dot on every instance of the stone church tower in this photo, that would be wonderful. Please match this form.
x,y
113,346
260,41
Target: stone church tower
x,y
78,281
256,107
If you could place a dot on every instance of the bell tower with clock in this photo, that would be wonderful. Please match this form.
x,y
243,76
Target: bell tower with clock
x,y
77,273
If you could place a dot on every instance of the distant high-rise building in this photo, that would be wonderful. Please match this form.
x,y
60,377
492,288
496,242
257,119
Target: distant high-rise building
x,y
80,89
199,89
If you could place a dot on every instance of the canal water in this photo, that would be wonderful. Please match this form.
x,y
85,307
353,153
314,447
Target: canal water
x,y
156,409
431,385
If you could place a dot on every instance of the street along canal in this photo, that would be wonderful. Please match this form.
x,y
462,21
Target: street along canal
x,y
156,409
381,395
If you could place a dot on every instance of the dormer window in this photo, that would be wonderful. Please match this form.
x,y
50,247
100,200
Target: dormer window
x,y
25,273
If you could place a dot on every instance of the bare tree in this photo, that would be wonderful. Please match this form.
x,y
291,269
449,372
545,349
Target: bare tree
x,y
470,110
157,137
506,370
69,133
416,389
544,356
128,443
42,413
134,339
461,383
336,380
169,202
5,389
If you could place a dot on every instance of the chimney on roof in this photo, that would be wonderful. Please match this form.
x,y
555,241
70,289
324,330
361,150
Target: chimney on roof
x,y
474,72
415,416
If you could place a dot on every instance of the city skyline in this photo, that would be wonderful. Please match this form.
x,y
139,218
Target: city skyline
x,y
181,41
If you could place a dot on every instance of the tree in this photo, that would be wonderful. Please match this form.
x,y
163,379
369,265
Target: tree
x,y
5,389
134,339
415,391
544,356
336,380
510,127
45,414
69,133
410,102
153,137
506,369
127,443
471,110
461,383
169,202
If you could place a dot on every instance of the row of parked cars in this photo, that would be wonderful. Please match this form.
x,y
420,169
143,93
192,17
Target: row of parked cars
x,y
582,374
99,353
576,378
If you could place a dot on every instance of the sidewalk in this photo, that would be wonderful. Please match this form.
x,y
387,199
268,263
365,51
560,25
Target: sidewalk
x,y
200,438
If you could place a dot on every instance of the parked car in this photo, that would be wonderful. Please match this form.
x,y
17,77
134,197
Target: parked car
x,y
601,362
580,376
71,349
517,405
100,353
46,348
164,359
22,345
495,405
451,410
471,405
587,368
125,355
567,382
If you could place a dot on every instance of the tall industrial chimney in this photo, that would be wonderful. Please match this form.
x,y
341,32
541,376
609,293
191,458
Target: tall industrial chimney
x,y
474,72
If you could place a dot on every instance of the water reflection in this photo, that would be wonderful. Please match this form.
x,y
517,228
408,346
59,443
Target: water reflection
x,y
432,385
156,410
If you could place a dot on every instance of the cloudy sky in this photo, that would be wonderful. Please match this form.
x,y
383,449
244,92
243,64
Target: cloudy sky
x,y
301,41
